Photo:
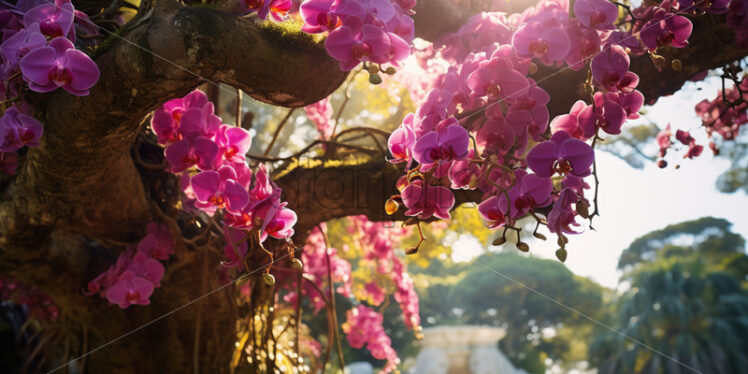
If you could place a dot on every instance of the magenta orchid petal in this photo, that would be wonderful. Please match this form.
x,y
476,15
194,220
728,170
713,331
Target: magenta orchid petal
x,y
423,146
558,43
236,196
177,154
399,48
615,117
282,224
587,120
542,157
377,41
234,142
206,152
447,144
424,201
205,185
491,213
17,46
54,21
18,130
610,66
36,65
538,188
400,143
84,70
59,65
579,154
340,42
597,14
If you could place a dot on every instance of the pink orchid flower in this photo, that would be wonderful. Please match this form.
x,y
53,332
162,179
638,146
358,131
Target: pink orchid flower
x,y
462,172
496,135
561,217
147,267
59,65
320,113
219,189
199,121
167,119
548,42
233,142
130,290
425,201
319,16
569,122
17,46
491,212
666,29
446,144
497,78
596,14
356,41
18,130
631,102
401,141
186,153
55,20
610,66
562,154
585,42
157,243
531,191
606,114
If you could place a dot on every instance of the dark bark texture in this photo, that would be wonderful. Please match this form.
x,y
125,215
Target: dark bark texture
x,y
81,189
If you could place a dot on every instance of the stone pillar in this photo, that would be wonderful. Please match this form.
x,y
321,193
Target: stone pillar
x,y
462,350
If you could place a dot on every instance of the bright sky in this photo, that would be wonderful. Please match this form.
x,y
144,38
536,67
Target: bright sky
x,y
635,202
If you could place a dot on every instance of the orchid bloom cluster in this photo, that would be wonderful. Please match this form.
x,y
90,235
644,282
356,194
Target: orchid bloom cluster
x,y
379,243
37,51
363,327
210,156
374,31
726,113
37,305
320,113
314,258
369,31
138,270
724,116
485,125
276,9
664,141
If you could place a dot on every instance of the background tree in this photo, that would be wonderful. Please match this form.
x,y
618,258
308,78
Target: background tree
x,y
686,300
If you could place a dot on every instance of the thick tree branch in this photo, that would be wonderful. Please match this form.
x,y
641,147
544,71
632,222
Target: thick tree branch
x,y
322,190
